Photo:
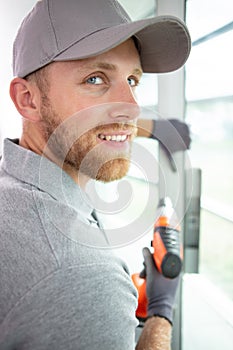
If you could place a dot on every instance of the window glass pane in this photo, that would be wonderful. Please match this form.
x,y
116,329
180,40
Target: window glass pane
x,y
203,17
216,248
147,90
209,94
129,200
210,69
212,147
139,9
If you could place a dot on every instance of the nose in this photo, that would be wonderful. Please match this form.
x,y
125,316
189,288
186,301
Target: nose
x,y
124,106
122,111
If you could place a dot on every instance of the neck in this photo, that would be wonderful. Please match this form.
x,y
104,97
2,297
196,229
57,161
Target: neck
x,y
36,144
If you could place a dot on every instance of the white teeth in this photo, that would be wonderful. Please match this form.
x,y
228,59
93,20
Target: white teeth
x,y
116,138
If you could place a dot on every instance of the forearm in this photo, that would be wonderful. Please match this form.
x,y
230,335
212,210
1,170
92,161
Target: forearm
x,y
156,335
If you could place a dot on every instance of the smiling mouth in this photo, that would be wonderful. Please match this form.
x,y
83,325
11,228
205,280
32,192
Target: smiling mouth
x,y
115,138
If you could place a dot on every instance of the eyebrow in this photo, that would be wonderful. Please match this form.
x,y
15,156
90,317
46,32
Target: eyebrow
x,y
111,67
138,71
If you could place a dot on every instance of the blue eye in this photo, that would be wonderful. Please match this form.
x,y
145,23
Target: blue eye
x,y
132,82
95,80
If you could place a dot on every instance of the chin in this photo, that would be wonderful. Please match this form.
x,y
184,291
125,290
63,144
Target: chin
x,y
113,170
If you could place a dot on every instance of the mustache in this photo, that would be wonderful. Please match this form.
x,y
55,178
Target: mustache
x,y
118,127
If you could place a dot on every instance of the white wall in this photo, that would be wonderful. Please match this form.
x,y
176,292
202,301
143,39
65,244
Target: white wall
x,y
11,14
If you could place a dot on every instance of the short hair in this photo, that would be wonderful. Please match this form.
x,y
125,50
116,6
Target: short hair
x,y
40,78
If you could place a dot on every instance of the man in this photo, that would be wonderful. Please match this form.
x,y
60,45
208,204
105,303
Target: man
x,y
77,64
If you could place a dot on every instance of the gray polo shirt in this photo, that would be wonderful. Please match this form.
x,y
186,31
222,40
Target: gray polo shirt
x,y
61,286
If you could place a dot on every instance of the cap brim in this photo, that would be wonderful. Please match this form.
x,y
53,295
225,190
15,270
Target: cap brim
x,y
164,43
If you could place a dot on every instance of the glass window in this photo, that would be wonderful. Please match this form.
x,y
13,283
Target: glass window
x,y
209,94
210,68
204,17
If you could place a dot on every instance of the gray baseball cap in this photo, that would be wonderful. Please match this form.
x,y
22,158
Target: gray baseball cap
x,y
62,30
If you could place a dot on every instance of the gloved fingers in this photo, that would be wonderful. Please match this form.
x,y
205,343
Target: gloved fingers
x,y
146,254
172,134
148,261
183,130
142,274
185,135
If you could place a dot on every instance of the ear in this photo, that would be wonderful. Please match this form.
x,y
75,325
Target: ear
x,y
26,97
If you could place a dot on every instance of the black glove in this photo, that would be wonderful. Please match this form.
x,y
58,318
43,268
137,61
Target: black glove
x,y
160,290
172,134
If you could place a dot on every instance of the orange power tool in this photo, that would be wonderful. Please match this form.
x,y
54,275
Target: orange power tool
x,y
167,252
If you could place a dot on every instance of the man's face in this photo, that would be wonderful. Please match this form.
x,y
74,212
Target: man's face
x,y
90,111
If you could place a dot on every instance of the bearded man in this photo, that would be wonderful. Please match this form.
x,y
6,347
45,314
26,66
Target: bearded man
x,y
77,64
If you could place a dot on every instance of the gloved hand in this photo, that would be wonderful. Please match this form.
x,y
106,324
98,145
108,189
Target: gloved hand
x,y
172,134
161,291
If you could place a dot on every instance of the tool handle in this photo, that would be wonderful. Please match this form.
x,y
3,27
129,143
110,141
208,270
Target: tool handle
x,y
140,284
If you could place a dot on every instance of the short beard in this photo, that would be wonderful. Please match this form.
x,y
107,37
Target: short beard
x,y
84,154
